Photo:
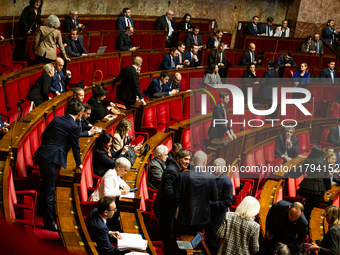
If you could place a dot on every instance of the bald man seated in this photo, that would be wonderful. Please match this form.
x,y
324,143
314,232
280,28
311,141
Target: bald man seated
x,y
250,56
58,81
285,224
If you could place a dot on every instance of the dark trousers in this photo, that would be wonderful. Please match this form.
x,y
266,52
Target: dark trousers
x,y
46,194
190,229
127,104
211,238
43,60
166,224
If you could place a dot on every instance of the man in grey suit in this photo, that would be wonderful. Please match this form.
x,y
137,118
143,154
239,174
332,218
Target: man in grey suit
x,y
334,136
75,44
157,166
268,28
317,43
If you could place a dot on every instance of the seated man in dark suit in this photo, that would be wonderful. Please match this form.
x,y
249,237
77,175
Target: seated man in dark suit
x,y
96,224
72,22
59,136
268,28
75,44
285,60
157,166
253,28
3,127
197,190
167,23
287,145
221,112
285,224
181,56
170,61
220,207
78,96
86,128
194,38
250,56
125,20
39,92
58,81
192,56
160,84
124,42
334,136
175,82
329,74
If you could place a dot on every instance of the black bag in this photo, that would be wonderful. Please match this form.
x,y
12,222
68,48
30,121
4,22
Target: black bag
x,y
131,155
81,84
312,73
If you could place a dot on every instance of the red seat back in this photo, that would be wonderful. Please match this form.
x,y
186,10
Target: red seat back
x,y
150,117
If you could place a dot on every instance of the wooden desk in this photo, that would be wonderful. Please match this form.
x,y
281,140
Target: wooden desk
x,y
189,238
291,166
317,224
332,194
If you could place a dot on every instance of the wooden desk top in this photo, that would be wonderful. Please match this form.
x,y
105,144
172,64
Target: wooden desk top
x,y
291,166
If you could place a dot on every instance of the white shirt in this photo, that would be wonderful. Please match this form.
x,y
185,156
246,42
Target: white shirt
x,y
102,219
126,22
170,26
109,186
192,55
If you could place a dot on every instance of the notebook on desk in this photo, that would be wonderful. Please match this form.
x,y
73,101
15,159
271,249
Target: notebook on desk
x,y
100,50
190,245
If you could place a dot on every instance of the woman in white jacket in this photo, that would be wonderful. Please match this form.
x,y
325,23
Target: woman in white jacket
x,y
112,184
282,31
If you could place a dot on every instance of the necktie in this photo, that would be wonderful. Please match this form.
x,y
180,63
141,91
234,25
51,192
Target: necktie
x,y
221,57
60,82
267,30
317,47
74,22
251,58
255,29
332,76
128,22
172,62
161,87
80,126
170,28
180,58
195,38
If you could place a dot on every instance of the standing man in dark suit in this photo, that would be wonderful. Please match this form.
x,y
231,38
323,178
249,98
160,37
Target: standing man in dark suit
x,y
250,56
58,81
218,57
268,29
86,128
167,23
194,38
59,136
334,136
268,81
181,57
285,224
285,60
124,42
72,22
192,56
78,96
329,74
129,90
287,145
221,112
253,28
172,154
317,43
159,84
170,61
197,189
218,208
165,205
125,20
75,44
96,224
39,92
330,34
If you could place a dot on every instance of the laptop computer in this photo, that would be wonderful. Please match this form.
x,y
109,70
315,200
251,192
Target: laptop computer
x,y
186,245
100,50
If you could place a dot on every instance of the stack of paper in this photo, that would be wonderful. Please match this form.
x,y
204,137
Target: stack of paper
x,y
131,242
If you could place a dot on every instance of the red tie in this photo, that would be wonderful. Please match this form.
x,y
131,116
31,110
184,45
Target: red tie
x,y
180,58
128,21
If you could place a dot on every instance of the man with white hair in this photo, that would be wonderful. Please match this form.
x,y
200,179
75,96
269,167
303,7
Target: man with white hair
x,y
220,207
167,23
72,22
197,189
112,184
157,166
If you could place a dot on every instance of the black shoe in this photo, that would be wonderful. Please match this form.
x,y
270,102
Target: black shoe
x,y
51,227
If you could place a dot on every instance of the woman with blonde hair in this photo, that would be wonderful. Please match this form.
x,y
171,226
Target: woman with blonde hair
x,y
47,38
121,136
331,241
239,232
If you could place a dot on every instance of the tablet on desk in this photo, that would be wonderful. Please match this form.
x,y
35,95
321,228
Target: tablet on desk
x,y
185,245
